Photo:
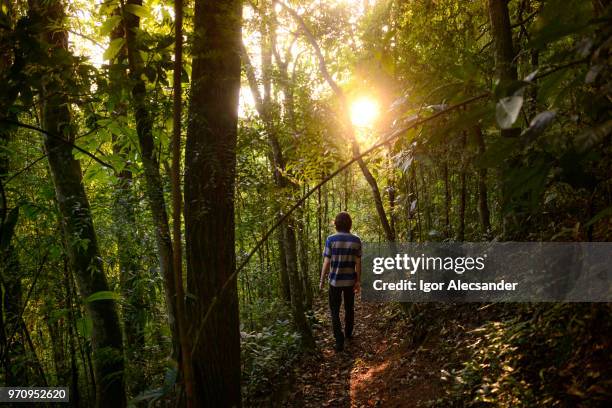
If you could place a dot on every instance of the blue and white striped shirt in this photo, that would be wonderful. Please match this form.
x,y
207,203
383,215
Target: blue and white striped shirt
x,y
343,248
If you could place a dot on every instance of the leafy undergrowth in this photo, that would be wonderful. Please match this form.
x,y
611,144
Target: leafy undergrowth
x,y
465,355
268,350
547,355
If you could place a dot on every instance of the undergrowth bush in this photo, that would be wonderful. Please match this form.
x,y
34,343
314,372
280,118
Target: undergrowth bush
x,y
554,356
268,348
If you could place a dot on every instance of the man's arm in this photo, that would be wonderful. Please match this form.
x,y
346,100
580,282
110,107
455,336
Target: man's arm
x,y
324,271
358,273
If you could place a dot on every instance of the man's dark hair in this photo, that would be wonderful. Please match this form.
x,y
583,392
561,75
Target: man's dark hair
x,y
343,222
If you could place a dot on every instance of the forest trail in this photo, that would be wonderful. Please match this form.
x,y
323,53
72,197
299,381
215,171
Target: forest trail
x,y
380,367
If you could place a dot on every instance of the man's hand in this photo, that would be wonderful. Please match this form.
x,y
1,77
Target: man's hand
x,y
357,287
324,271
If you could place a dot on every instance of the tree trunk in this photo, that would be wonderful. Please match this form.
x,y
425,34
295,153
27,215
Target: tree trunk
x,y
303,261
463,190
153,180
297,295
210,163
447,199
483,206
75,396
11,345
501,30
282,260
263,106
506,71
319,230
124,229
77,223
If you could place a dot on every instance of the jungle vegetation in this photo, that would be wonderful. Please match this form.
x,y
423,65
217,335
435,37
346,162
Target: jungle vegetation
x,y
169,172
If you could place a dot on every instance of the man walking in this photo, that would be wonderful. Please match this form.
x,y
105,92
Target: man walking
x,y
342,261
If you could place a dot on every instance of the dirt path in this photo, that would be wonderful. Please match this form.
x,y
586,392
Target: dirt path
x,y
380,367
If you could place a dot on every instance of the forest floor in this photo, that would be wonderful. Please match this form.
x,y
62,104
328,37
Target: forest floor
x,y
388,363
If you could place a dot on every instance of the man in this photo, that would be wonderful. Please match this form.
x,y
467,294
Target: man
x,y
342,261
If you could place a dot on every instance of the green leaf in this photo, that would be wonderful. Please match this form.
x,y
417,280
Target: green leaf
x,y
109,25
507,111
137,10
113,49
84,327
102,295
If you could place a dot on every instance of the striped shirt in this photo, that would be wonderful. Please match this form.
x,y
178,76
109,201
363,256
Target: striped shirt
x,y
343,248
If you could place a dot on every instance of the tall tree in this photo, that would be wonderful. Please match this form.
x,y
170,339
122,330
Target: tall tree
x,y
125,228
346,121
11,344
263,105
153,180
506,72
210,166
75,213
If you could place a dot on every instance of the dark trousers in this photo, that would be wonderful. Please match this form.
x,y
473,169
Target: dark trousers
x,y
335,299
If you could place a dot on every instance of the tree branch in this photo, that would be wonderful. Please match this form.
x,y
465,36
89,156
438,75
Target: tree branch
x,y
61,139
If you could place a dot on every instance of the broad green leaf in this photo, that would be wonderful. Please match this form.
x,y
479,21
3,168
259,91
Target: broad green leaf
x,y
113,49
84,327
109,25
137,10
507,111
102,295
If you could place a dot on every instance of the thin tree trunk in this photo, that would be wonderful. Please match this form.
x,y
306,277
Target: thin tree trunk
x,y
124,229
153,180
483,206
463,192
447,200
75,396
177,258
418,201
263,104
506,71
303,262
282,259
297,296
210,163
77,222
319,230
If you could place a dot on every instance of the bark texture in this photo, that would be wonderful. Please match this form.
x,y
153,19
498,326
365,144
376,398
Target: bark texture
x,y
210,164
77,223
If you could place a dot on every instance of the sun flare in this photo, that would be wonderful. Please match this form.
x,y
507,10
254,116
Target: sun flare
x,y
364,112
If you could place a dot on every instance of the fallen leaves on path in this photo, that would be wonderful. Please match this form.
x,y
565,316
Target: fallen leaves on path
x,y
377,368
